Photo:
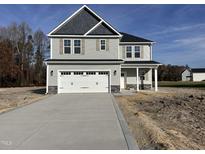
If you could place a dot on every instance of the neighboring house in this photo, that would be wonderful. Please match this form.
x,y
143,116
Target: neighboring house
x,y
198,74
186,75
194,74
89,55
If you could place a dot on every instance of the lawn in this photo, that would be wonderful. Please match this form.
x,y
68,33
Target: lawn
x,y
182,84
172,118
11,98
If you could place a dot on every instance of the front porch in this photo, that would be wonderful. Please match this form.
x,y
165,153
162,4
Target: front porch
x,y
138,75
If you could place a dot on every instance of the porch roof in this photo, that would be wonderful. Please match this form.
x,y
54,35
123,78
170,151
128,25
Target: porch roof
x,y
141,64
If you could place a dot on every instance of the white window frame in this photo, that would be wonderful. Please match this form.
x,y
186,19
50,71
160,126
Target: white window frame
x,y
78,46
101,45
128,51
67,46
135,51
132,52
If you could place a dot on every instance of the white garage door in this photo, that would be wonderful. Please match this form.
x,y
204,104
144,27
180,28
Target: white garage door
x,y
83,82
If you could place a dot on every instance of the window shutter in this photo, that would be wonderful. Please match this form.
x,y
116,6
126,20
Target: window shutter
x,y
97,45
83,47
61,46
107,44
141,52
123,52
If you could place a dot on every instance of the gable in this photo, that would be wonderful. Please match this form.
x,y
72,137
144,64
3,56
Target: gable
x,y
79,24
84,21
102,29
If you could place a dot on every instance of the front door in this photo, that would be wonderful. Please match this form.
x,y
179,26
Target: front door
x,y
122,81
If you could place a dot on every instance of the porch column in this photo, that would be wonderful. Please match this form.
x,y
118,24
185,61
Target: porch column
x,y
155,80
137,70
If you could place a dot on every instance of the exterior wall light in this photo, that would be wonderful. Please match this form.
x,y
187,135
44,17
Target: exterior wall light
x,y
115,72
51,73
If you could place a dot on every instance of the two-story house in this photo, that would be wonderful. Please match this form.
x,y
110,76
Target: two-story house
x,y
89,55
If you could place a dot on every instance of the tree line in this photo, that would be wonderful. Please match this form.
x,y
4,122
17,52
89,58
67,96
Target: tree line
x,y
22,54
170,72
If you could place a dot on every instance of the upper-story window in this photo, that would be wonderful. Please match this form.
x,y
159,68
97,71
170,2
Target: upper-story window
x,y
129,51
102,45
77,46
132,51
137,51
67,46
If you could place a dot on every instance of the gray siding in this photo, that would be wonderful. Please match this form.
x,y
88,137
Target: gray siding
x,y
145,52
131,76
90,50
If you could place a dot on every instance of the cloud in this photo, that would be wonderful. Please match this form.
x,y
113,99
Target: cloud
x,y
178,29
187,50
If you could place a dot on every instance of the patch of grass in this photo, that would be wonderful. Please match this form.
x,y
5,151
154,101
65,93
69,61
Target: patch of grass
x,y
187,84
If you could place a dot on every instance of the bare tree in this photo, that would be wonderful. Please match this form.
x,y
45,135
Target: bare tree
x,y
40,43
23,53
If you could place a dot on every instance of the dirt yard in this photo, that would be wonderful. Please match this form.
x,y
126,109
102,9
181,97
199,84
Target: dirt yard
x,y
11,98
173,118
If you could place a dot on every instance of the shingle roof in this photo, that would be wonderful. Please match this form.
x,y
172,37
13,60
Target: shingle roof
x,y
102,29
141,62
131,38
82,22
84,60
198,70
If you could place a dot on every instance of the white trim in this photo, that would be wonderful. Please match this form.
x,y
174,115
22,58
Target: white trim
x,y
88,36
51,48
84,6
137,78
133,58
66,20
93,28
74,47
155,80
125,78
94,70
47,69
128,51
135,51
67,46
100,45
118,50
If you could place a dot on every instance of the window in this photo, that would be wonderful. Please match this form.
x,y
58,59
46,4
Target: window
x,y
77,46
137,51
78,73
102,45
133,51
65,73
129,51
103,73
67,46
90,73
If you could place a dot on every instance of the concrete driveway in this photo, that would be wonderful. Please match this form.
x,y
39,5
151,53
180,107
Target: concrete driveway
x,y
64,121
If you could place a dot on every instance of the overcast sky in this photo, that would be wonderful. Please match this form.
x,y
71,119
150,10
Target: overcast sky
x,y
178,30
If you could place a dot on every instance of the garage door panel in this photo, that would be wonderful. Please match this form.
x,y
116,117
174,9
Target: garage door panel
x,y
78,83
